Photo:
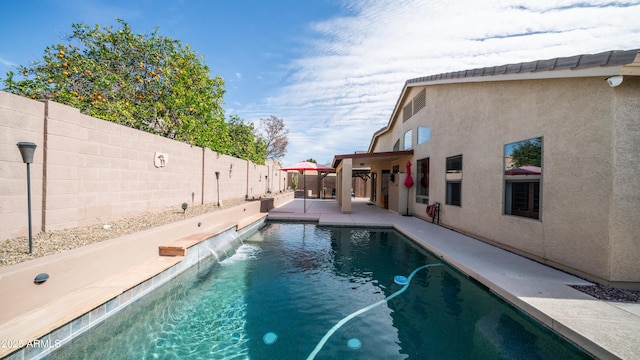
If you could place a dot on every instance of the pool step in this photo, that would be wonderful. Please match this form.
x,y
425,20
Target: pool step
x,y
179,247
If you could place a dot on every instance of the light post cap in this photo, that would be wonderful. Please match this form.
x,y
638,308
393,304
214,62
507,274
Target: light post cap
x,y
26,150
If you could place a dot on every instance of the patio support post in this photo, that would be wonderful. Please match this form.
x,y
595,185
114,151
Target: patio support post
x,y
347,166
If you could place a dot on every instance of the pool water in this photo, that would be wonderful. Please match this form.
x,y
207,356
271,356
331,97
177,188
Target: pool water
x,y
289,285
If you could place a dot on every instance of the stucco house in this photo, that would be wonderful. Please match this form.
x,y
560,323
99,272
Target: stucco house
x,y
541,158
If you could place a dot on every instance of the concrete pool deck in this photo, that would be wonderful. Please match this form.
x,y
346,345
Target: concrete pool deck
x,y
86,284
91,275
605,329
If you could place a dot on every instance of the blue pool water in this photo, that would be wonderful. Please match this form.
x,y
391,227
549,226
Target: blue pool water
x,y
298,291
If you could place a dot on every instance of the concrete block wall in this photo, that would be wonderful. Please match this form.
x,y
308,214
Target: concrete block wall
x,y
238,178
88,171
98,170
20,120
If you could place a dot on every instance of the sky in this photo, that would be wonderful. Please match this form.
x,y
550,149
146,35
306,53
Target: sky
x,y
333,69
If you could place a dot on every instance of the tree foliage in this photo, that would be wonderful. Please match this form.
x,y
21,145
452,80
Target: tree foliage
x,y
245,143
274,133
147,82
527,153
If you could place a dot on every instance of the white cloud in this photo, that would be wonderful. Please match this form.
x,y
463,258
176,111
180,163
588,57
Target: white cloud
x,y
345,87
6,62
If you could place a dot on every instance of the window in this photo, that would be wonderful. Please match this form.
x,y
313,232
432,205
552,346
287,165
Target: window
x,y
453,178
522,175
396,146
422,190
424,134
407,140
525,199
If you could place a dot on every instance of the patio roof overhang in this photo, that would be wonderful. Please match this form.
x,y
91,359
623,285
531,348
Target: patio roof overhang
x,y
363,160
347,164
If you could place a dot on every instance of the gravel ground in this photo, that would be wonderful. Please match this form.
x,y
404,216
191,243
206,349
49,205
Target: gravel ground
x,y
604,292
16,250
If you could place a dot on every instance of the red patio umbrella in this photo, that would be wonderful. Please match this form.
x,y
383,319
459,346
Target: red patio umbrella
x,y
302,166
408,182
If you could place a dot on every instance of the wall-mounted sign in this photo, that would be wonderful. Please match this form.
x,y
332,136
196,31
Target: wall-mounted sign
x,y
160,159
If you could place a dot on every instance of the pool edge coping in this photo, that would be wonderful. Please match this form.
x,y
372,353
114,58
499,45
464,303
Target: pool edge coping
x,y
69,325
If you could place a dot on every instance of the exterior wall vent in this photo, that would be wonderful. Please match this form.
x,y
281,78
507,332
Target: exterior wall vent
x,y
420,101
406,112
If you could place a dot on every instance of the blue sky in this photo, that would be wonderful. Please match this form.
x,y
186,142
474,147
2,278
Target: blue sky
x,y
333,69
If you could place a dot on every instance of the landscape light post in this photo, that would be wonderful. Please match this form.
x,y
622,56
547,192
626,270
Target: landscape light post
x,y
26,150
218,186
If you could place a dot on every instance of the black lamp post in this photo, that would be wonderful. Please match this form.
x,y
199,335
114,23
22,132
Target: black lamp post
x,y
184,208
266,179
218,186
26,150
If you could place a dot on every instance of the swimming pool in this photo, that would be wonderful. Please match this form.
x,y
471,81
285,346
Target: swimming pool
x,y
291,286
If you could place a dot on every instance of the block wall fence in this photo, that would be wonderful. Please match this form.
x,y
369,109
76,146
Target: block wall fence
x,y
87,171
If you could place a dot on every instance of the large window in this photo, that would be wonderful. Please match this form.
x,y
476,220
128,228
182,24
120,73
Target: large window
x,y
422,190
454,180
522,174
424,134
408,140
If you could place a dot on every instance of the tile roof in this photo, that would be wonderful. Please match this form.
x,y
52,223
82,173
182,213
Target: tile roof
x,y
607,58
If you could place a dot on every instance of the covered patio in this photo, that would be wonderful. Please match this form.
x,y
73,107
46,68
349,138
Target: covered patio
x,y
347,164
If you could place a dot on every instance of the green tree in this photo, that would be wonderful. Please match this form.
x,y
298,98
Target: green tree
x,y
244,143
148,82
312,160
527,152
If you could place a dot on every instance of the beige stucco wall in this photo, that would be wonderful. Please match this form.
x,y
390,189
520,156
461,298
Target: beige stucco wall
x,y
624,219
582,187
88,170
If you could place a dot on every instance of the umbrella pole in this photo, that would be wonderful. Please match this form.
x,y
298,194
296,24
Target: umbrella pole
x,y
304,196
